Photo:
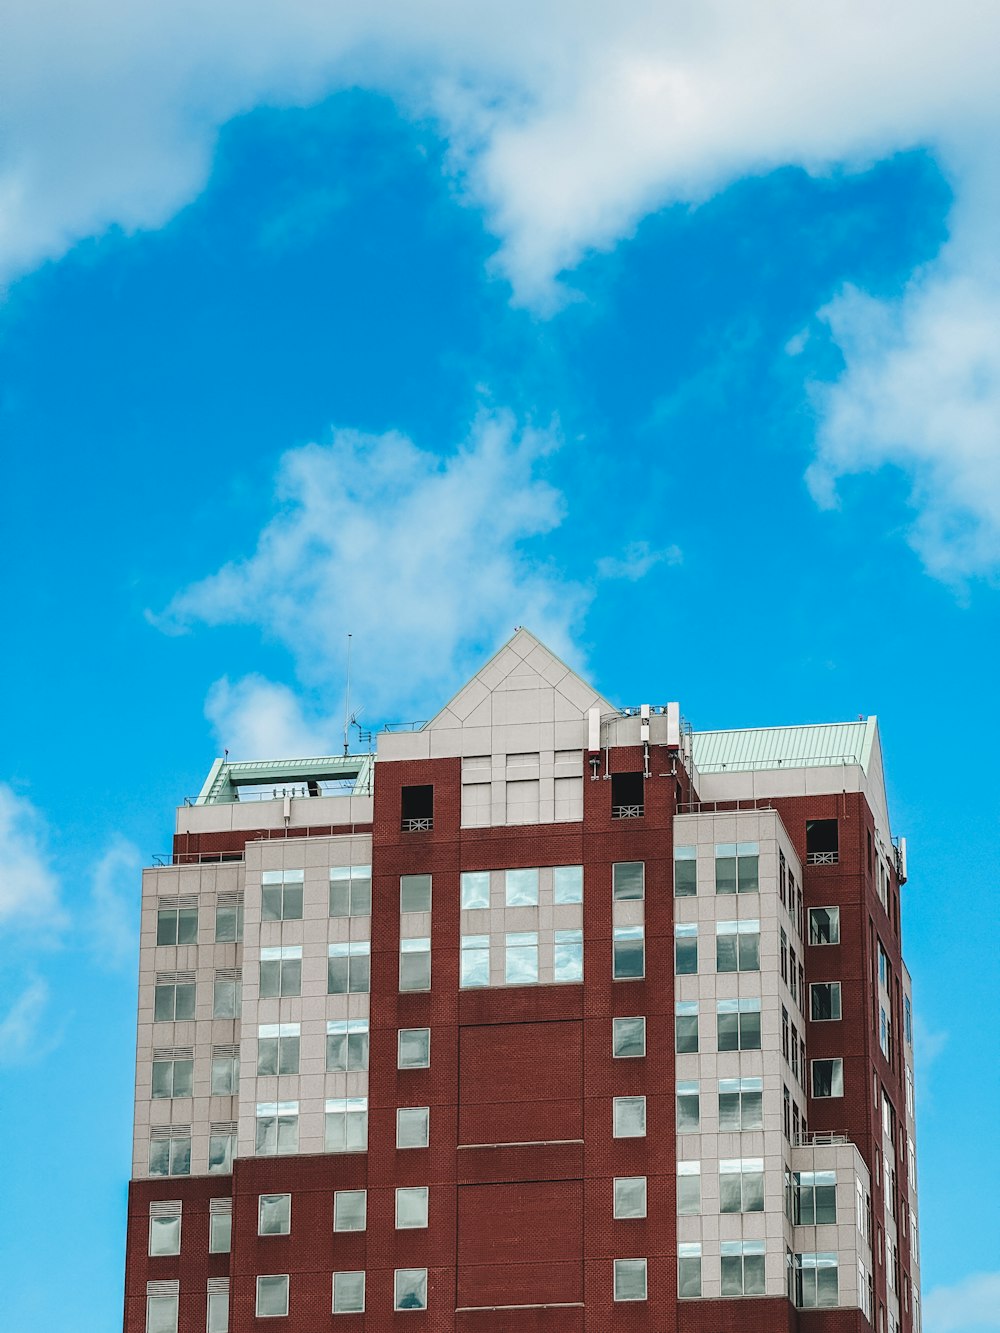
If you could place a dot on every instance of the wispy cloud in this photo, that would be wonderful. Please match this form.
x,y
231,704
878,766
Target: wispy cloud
x,y
635,562
969,1306
29,886
253,716
113,913
427,561
21,1025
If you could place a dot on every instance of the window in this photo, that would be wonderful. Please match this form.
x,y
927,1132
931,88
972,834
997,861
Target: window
x,y
686,1027
783,953
822,842
475,891
688,1108
738,1023
475,962
350,1210
688,1269
225,1074
742,1267
414,893
685,950
815,1198
274,1215
816,1280
173,1001
346,1044
417,809
885,1032
347,1124
281,895
228,923
521,958
218,1305
567,884
177,925
272,1296
689,1187
220,1226
348,1293
170,1156
161,1312
281,971
737,946
415,965
907,1020
740,1104
413,1048
629,956
413,1126
824,1001
741,1185
410,1289
685,872
824,925
221,1148
630,1196
277,1128
227,997
349,968
628,880
278,1048
351,891
736,867
165,1228
629,1117
411,1207
630,1279
172,1078
627,796
828,1078
521,888
567,955
628,1037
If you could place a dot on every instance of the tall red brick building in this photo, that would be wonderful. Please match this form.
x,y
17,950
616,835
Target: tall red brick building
x,y
551,1015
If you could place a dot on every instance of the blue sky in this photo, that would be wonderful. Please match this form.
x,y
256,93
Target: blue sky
x,y
678,342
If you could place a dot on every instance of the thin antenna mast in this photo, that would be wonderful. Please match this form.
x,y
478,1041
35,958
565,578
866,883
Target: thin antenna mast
x,y
347,703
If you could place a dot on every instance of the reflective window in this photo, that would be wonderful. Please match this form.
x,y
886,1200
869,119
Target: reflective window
x,y
173,1002
170,1157
688,1269
410,1289
815,1198
630,1279
411,1207
824,1001
220,1231
628,880
736,867
415,893
567,884
688,1107
828,1078
177,925
278,1048
685,872
628,1037
415,964
281,895
740,1104
218,1311
350,1210
228,923
347,1124
689,1187
221,1151
173,1078
475,888
737,946
277,1128
281,971
742,1267
521,888
161,1314
521,958
567,955
630,1196
349,968
685,949
816,1281
164,1230
824,925
475,961
274,1215
351,891
413,1126
738,1023
348,1293
225,1075
272,1296
629,953
227,998
686,1027
346,1044
629,1117
414,1048
741,1185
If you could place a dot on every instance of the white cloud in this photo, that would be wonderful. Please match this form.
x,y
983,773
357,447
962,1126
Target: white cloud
x,y
568,121
635,562
426,561
969,1306
21,1025
113,914
29,887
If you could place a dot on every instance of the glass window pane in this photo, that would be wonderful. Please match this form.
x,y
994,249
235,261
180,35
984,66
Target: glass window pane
x,y
686,1034
272,1296
410,1287
629,1037
630,1279
567,884
686,955
725,874
415,971
630,1196
184,1003
348,1293
350,1210
521,959
629,959
415,893
187,925
567,956
748,881
629,1117
161,1314
628,878
274,1216
412,1126
164,1235
475,889
685,872
521,888
688,1275
411,1207
220,1227
414,1048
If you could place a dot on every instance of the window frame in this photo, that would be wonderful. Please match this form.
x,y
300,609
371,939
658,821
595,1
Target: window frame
x,y
271,1314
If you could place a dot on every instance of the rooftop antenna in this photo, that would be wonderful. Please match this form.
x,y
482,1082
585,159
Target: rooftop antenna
x,y
347,702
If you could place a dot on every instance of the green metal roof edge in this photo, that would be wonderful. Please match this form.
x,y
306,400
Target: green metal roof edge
x,y
800,751
222,772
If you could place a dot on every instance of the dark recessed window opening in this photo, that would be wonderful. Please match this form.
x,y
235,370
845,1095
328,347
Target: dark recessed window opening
x,y
822,842
627,796
417,808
